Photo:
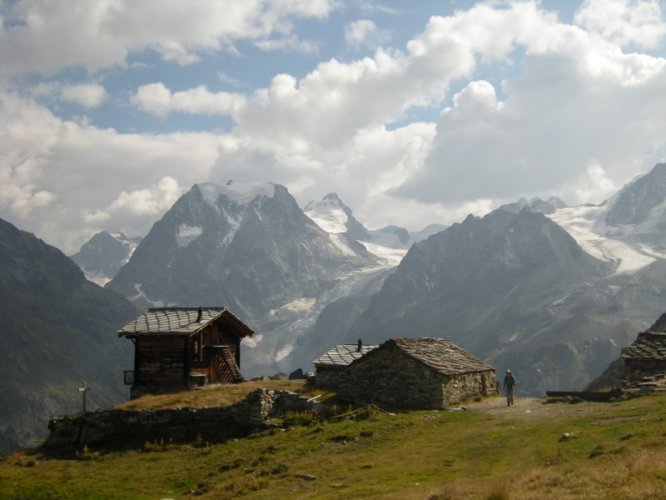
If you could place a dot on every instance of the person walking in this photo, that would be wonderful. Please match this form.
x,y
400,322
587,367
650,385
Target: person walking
x,y
509,384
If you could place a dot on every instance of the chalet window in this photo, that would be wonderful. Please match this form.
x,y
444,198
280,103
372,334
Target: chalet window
x,y
197,347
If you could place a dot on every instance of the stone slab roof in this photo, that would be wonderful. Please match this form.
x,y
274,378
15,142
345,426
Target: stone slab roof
x,y
649,346
181,321
342,355
441,355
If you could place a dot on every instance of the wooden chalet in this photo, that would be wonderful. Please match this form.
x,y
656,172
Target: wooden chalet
x,y
176,348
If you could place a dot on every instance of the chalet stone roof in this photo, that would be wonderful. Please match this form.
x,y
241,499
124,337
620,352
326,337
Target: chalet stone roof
x,y
181,321
649,346
441,355
342,355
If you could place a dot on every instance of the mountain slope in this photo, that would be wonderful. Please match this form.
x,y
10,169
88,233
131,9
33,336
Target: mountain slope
x,y
248,247
336,318
514,288
637,202
628,230
101,257
58,329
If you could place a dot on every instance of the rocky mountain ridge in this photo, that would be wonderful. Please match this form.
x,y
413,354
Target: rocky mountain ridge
x,y
102,256
251,248
58,330
492,285
521,292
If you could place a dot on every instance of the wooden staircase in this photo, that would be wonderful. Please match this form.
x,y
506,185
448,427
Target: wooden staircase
x,y
227,368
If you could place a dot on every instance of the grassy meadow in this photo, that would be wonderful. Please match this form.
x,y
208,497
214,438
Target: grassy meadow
x,y
614,450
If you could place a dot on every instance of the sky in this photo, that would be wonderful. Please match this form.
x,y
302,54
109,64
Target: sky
x,y
414,112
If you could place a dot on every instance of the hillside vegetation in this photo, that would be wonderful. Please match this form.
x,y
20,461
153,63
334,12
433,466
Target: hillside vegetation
x,y
614,450
56,331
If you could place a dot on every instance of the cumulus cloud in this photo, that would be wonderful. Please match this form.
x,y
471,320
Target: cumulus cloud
x,y
579,113
65,181
157,99
625,22
365,32
87,95
332,102
150,202
578,100
363,170
37,37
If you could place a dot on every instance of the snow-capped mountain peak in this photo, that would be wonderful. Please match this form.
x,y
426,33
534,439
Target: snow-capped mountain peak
x,y
240,193
104,254
637,201
330,214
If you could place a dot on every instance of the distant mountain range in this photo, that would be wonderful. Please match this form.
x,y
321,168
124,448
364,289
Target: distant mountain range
x,y
550,290
518,290
251,248
57,330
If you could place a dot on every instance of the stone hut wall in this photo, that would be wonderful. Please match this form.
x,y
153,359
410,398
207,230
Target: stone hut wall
x,y
469,385
645,366
392,378
389,377
329,377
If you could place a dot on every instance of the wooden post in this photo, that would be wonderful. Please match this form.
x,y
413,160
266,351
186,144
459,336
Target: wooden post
x,y
186,361
83,390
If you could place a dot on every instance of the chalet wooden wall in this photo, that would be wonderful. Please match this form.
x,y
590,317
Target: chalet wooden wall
x,y
160,360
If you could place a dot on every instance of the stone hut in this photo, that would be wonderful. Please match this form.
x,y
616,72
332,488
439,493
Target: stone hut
x,y
176,348
330,366
416,373
647,354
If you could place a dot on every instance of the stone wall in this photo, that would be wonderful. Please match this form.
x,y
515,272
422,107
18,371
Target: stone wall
x,y
645,366
178,425
469,385
328,377
390,377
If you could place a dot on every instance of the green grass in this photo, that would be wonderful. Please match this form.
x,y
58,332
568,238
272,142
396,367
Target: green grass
x,y
618,451
214,395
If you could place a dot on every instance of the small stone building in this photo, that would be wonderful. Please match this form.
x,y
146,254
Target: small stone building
x,y
416,373
176,348
647,354
330,366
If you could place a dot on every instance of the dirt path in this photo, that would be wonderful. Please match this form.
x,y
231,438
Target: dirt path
x,y
527,408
